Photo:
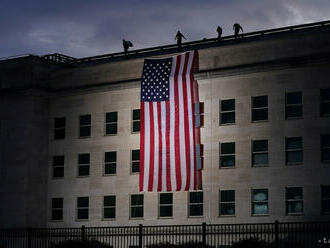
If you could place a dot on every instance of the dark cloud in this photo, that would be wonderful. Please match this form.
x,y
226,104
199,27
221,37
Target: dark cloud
x,y
86,28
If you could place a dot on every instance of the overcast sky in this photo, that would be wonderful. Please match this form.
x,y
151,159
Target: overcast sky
x,y
81,28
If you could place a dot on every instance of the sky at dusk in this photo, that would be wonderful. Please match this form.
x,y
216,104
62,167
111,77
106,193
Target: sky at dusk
x,y
81,28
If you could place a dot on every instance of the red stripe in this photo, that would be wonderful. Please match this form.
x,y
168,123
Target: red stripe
x,y
186,121
141,146
168,166
176,126
152,146
160,147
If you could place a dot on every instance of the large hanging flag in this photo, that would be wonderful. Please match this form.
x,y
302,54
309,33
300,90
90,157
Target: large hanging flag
x,y
169,135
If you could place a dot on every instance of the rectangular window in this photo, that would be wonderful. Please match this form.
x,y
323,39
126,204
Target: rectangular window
x,y
195,206
59,128
259,201
325,148
260,153
111,123
109,207
227,112
82,208
136,206
83,164
294,200
259,108
135,168
165,205
84,126
227,155
110,162
227,202
57,209
325,195
325,102
58,166
294,150
136,121
293,105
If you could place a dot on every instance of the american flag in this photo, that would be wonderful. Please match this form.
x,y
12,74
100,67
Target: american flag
x,y
168,135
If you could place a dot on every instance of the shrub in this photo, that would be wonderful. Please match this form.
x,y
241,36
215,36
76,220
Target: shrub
x,y
80,244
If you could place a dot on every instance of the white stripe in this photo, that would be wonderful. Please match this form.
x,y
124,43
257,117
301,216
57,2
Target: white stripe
x,y
182,127
172,118
146,146
190,122
163,126
156,147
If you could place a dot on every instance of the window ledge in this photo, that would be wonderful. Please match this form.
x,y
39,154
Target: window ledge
x,y
295,214
196,217
115,134
108,219
226,216
83,176
259,215
109,175
260,121
166,218
233,167
261,165
227,124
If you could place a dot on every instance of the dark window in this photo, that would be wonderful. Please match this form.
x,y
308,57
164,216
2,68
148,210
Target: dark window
x,y
110,161
59,128
259,108
135,161
325,102
109,207
136,206
293,105
83,164
227,155
84,126
259,201
201,113
111,123
227,111
165,205
136,121
325,195
58,166
195,204
227,202
294,150
325,148
82,208
294,200
57,209
260,152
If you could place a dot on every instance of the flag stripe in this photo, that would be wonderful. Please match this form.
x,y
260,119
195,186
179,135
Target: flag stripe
x,y
160,160
168,167
152,147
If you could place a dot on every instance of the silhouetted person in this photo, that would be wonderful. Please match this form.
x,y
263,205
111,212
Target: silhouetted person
x,y
127,44
237,28
219,30
178,39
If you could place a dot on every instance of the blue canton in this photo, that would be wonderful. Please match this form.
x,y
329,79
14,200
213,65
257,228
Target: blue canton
x,y
155,85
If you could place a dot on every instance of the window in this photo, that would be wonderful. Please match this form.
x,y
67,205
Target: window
x,y
260,153
58,166
227,202
165,205
110,162
83,164
195,206
109,207
325,102
136,121
325,195
135,161
85,126
111,123
259,108
136,206
200,114
325,148
259,201
227,112
57,209
293,105
294,200
227,155
294,150
59,128
82,208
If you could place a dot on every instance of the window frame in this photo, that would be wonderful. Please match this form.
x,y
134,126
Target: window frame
x,y
221,112
57,209
109,164
288,105
89,165
81,208
110,123
322,148
253,202
135,120
323,102
86,125
132,161
108,207
287,201
227,155
226,202
136,206
259,108
324,199
259,152
165,205
59,128
287,151
54,167
195,204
